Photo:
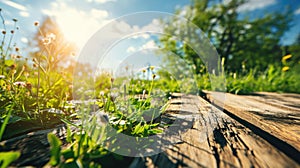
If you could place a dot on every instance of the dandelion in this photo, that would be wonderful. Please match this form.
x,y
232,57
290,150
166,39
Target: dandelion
x,y
284,58
23,84
151,68
36,23
223,61
285,68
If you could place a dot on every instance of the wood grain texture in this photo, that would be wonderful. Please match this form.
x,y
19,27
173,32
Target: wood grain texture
x,y
214,140
277,114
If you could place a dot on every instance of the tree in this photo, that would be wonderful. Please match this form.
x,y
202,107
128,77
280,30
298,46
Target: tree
x,y
240,40
294,50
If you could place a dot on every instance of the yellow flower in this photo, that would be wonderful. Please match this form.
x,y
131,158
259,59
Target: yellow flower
x,y
284,58
151,68
285,68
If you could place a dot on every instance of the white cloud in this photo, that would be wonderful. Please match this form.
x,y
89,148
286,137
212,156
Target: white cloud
x,y
14,5
130,49
24,40
101,1
144,35
99,13
154,26
24,13
255,4
149,45
297,12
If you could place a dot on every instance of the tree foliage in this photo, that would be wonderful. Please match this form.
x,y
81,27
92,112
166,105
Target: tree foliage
x,y
241,40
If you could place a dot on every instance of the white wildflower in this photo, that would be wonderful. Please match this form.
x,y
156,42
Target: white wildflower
x,y
23,84
49,39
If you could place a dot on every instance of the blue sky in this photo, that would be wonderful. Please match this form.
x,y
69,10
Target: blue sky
x,y
29,11
80,19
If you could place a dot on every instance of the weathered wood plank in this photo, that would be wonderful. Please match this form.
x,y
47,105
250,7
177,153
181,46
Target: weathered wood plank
x,y
214,140
34,147
277,114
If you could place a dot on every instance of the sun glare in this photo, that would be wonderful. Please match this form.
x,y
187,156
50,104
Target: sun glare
x,y
78,26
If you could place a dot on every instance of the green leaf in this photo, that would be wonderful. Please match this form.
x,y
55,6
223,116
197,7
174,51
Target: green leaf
x,y
155,131
136,129
5,122
9,62
68,154
73,164
69,134
154,125
7,157
55,148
